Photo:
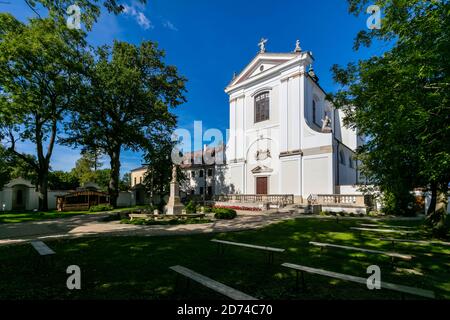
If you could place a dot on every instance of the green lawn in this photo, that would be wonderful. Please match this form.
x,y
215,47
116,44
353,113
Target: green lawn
x,y
137,267
17,217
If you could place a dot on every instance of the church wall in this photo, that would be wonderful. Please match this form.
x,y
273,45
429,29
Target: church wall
x,y
240,106
312,135
318,175
290,176
347,136
235,178
347,174
272,87
293,116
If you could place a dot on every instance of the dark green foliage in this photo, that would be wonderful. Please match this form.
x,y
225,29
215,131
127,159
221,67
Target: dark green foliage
x,y
208,209
439,223
60,180
400,100
191,207
144,262
41,70
223,213
5,167
398,203
143,222
130,92
90,9
101,208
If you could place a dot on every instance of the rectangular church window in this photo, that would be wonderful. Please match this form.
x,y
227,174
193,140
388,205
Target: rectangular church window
x,y
262,107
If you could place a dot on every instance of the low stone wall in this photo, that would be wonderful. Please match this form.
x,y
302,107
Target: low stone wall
x,y
352,209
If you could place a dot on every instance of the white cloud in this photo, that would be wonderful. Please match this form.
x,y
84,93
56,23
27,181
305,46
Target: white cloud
x,y
170,25
140,17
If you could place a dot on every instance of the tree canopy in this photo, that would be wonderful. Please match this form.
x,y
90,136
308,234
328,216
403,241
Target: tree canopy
x,y
90,9
128,101
41,68
400,100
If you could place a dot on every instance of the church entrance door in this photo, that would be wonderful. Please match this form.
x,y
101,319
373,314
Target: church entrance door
x,y
261,185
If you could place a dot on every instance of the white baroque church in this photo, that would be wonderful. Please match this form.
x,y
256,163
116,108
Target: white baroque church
x,y
285,138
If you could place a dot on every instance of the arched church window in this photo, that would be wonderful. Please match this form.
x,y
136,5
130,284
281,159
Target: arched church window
x,y
262,101
350,162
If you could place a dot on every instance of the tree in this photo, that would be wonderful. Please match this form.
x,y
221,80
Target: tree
x,y
90,9
5,167
400,100
102,178
84,169
131,91
41,64
61,180
159,168
125,182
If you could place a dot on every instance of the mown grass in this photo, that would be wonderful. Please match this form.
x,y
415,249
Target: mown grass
x,y
138,267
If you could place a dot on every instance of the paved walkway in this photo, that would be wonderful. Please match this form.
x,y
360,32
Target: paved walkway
x,y
91,225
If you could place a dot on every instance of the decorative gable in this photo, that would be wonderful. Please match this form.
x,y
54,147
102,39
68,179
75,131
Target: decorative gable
x,y
262,63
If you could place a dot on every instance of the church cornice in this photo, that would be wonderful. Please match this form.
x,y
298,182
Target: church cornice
x,y
291,153
293,76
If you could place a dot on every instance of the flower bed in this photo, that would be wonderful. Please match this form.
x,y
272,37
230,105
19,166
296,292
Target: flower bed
x,y
239,208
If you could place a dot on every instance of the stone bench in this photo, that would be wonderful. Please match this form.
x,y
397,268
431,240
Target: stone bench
x,y
45,254
419,242
384,226
403,232
384,285
42,248
212,284
270,250
392,255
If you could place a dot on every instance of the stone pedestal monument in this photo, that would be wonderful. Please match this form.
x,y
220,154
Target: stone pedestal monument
x,y
174,206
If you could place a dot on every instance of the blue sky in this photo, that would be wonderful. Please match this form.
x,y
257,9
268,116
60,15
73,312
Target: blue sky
x,y
208,40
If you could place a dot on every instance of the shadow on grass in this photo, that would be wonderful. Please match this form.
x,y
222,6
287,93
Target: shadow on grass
x,y
138,267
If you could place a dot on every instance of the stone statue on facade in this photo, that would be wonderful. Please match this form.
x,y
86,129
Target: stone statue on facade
x,y
262,45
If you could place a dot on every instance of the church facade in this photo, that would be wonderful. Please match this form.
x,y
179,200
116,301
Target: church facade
x,y
285,137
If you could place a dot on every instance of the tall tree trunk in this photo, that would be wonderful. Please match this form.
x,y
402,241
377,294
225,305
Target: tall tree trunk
x,y
113,188
43,190
432,206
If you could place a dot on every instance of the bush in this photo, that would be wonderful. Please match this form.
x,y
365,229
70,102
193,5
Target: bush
x,y
222,213
101,208
208,209
113,217
191,207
